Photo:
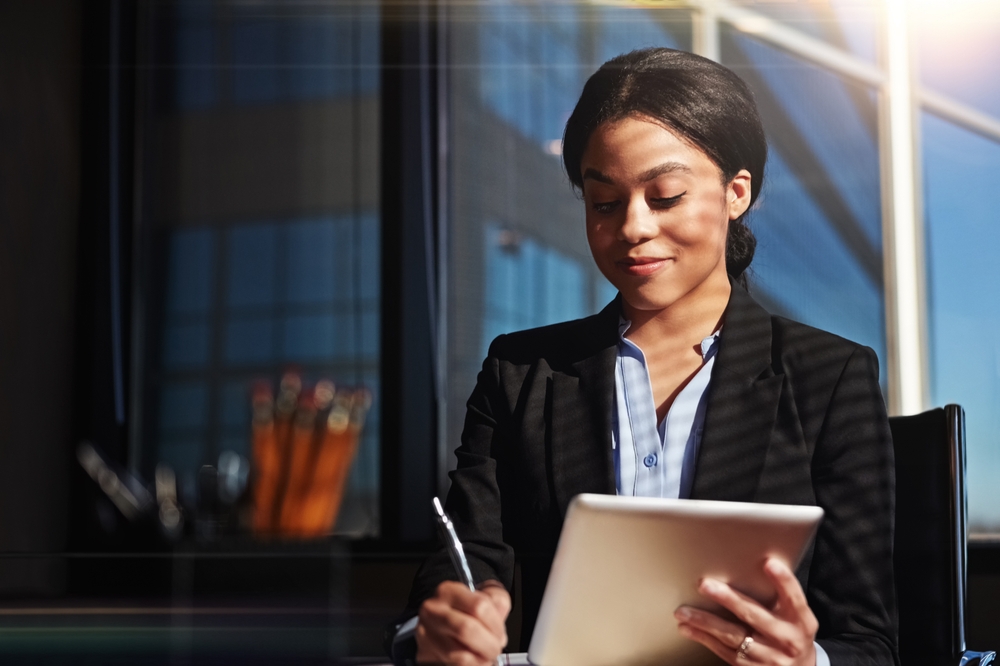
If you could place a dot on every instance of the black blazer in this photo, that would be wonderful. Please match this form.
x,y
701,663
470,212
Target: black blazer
x,y
795,416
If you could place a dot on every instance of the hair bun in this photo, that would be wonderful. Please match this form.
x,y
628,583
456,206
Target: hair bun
x,y
740,247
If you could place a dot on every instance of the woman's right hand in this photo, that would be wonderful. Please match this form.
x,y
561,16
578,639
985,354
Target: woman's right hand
x,y
463,628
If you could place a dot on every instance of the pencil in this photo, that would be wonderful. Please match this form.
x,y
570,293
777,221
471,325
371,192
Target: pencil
x,y
301,456
333,462
266,461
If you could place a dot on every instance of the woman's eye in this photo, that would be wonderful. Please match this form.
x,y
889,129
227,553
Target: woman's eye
x,y
666,202
604,207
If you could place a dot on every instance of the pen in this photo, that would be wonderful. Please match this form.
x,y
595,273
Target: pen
x,y
455,550
453,544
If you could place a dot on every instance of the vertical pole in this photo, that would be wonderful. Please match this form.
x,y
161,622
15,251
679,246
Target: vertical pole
x,y
441,80
902,226
114,203
706,30
408,368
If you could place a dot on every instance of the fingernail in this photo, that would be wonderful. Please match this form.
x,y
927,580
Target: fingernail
x,y
773,566
682,613
684,629
709,585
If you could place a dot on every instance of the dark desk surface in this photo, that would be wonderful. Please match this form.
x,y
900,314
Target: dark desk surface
x,y
99,633
316,605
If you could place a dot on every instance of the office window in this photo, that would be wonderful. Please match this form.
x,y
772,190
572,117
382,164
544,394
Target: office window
x,y
260,53
958,55
528,284
963,243
850,25
259,234
532,55
958,52
818,222
518,250
194,47
623,29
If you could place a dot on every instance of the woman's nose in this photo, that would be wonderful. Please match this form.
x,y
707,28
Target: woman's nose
x,y
639,224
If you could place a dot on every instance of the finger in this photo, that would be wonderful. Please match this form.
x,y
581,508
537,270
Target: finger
x,y
441,620
790,638
434,648
756,653
746,610
761,621
498,593
431,648
462,658
728,633
792,602
456,655
462,598
483,608
479,605
447,651
723,652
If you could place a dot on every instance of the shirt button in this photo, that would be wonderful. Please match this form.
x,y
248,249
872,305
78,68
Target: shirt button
x,y
649,460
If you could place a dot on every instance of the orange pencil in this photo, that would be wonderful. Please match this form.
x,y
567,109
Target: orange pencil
x,y
333,462
275,477
302,479
300,463
266,460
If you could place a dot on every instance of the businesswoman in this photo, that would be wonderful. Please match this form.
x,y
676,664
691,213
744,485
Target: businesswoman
x,y
682,387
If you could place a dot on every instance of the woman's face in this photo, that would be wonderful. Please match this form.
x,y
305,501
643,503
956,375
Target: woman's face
x,y
657,213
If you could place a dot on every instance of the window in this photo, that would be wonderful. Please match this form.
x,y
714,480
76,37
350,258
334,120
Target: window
x,y
528,284
963,242
958,59
819,220
259,232
850,25
518,251
260,235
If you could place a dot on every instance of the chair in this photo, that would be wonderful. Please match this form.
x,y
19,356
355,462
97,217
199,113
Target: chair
x,y
931,533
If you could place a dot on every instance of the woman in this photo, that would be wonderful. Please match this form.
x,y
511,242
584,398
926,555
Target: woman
x,y
681,387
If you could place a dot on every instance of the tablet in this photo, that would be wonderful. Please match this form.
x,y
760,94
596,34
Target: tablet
x,y
624,564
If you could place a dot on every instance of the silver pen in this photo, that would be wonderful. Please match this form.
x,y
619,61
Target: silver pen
x,y
453,544
455,550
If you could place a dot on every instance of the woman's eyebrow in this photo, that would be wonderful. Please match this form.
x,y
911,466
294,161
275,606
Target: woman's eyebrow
x,y
594,174
666,167
644,177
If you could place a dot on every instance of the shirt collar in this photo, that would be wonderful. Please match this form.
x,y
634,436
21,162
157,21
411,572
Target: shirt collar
x,y
709,344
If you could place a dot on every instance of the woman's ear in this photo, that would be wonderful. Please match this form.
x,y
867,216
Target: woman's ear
x,y
738,194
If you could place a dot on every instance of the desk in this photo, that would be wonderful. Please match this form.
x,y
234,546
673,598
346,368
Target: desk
x,y
278,605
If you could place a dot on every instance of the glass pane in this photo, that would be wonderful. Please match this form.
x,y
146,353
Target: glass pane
x,y
958,51
259,236
963,242
818,223
851,25
519,254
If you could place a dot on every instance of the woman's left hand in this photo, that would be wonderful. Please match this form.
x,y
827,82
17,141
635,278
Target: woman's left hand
x,y
782,634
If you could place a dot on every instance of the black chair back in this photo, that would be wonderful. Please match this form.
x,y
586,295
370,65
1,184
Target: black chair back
x,y
930,542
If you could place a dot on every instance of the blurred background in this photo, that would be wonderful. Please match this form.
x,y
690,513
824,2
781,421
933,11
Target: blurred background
x,y
209,208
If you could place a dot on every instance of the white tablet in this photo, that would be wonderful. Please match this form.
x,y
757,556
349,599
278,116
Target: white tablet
x,y
624,564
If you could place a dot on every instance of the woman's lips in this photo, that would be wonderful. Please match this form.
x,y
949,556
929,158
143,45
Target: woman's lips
x,y
641,265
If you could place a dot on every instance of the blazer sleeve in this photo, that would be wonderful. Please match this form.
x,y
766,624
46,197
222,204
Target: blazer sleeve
x,y
850,587
474,501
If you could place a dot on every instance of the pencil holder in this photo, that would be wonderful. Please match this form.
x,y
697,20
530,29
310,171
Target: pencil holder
x,y
303,445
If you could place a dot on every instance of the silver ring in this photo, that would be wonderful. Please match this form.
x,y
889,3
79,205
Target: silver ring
x,y
741,651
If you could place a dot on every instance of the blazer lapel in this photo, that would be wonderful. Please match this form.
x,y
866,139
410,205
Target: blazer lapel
x,y
580,406
742,405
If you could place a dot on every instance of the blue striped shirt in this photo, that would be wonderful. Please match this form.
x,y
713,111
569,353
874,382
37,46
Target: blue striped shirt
x,y
658,459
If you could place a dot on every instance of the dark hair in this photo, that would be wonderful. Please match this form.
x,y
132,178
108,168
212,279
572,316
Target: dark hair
x,y
698,99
